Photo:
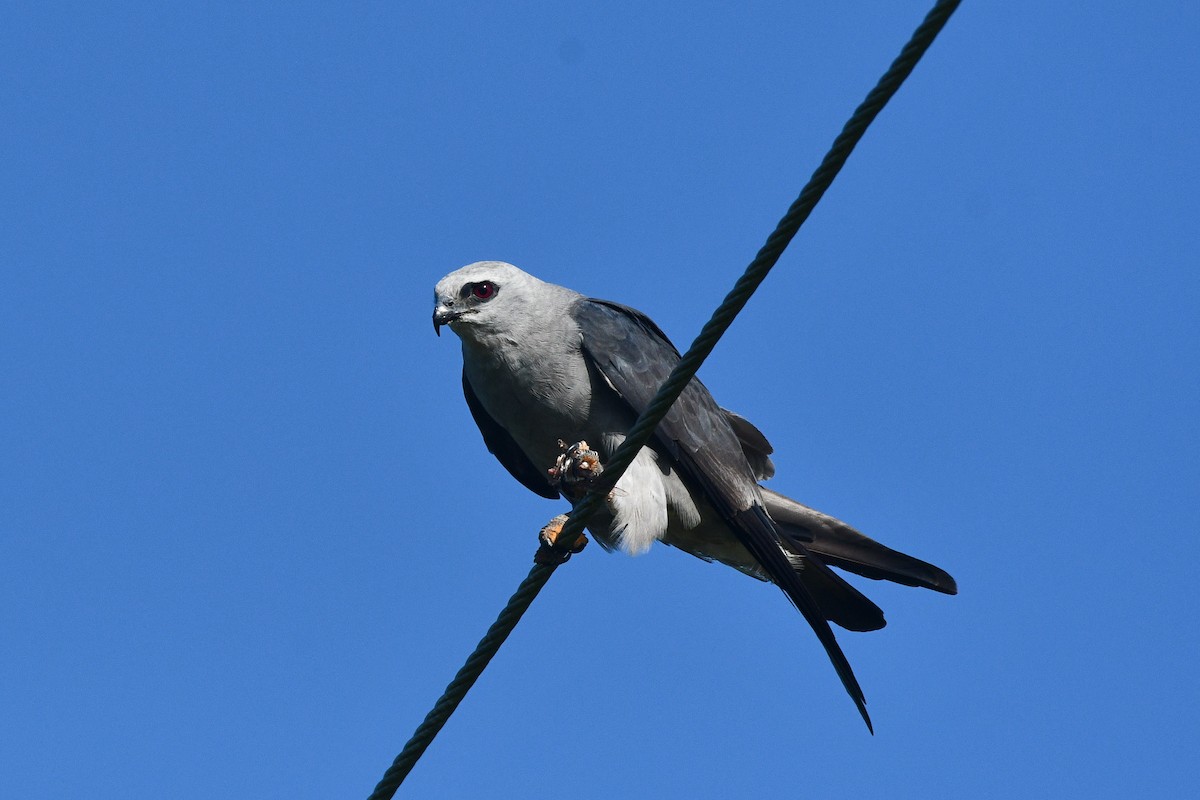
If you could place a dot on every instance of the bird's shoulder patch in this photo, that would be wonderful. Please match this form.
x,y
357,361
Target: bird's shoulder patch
x,y
616,310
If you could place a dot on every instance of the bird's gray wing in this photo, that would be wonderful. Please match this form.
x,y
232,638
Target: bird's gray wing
x,y
634,356
505,449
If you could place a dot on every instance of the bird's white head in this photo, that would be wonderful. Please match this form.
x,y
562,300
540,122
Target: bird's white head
x,y
484,297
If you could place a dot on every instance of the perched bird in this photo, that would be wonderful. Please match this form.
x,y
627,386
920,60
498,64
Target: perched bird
x,y
542,363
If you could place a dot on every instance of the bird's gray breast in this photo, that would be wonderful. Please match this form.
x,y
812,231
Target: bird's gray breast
x,y
538,389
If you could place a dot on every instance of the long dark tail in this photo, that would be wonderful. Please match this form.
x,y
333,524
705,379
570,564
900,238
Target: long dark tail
x,y
836,543
838,600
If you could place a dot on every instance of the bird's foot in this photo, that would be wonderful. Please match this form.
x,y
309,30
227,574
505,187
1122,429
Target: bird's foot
x,y
575,470
548,552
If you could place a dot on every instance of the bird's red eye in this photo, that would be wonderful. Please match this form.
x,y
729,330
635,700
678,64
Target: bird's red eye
x,y
485,290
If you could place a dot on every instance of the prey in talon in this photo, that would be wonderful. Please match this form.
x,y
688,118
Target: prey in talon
x,y
575,470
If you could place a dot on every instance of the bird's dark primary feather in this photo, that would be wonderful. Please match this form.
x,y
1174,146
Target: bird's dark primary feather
x,y
505,449
635,357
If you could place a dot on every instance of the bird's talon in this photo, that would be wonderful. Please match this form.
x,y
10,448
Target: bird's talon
x,y
548,552
549,533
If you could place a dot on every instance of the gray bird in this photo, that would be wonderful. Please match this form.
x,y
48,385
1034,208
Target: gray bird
x,y
542,363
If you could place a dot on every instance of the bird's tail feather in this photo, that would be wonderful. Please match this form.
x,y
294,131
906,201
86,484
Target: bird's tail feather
x,y
838,544
838,600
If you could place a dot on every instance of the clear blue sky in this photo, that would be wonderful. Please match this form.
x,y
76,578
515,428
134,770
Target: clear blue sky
x,y
248,530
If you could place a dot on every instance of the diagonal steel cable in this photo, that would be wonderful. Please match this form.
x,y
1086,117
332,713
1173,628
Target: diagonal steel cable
x,y
679,378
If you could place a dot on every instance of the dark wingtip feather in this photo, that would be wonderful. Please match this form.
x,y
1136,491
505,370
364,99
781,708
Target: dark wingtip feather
x,y
759,536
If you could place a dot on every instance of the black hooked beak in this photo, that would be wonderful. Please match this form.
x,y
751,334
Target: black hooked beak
x,y
444,316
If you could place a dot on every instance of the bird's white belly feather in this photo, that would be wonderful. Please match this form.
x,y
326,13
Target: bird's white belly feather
x,y
639,505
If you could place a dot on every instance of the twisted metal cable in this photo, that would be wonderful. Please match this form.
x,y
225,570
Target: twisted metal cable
x,y
463,681
679,378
